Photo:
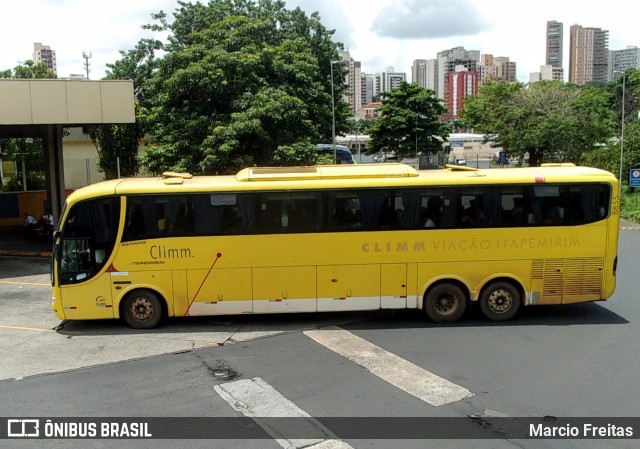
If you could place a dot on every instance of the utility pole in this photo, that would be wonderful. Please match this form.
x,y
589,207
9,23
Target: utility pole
x,y
86,61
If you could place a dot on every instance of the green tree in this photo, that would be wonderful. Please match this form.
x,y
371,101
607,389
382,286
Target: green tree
x,y
607,156
409,122
122,142
26,152
549,120
239,80
118,147
29,70
359,126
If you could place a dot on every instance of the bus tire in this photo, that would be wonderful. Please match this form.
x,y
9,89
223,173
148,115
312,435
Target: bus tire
x,y
445,303
500,301
142,309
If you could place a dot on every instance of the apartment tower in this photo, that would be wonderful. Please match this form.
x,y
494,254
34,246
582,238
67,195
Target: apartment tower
x,y
424,73
621,60
588,55
555,33
353,95
43,53
448,62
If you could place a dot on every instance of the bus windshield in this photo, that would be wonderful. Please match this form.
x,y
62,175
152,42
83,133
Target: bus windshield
x,y
87,239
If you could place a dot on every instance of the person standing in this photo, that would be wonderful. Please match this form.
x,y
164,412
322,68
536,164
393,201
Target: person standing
x,y
47,222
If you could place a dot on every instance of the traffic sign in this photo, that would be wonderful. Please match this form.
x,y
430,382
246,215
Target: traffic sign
x,y
634,177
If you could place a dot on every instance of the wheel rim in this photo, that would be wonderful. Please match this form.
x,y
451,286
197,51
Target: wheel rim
x,y
500,301
141,309
446,304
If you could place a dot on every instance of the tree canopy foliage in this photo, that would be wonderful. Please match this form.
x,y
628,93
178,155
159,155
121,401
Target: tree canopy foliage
x,y
27,151
608,157
121,142
409,122
549,120
29,70
241,83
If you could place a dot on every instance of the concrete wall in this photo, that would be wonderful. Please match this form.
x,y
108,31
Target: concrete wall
x,y
65,102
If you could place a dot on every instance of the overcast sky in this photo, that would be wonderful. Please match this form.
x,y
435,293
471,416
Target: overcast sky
x,y
379,33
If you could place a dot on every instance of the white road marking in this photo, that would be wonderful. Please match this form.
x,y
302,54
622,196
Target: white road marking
x,y
257,399
389,367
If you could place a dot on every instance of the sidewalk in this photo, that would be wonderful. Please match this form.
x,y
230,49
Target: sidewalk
x,y
629,226
12,243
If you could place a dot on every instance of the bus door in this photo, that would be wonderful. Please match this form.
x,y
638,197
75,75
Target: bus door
x,y
82,250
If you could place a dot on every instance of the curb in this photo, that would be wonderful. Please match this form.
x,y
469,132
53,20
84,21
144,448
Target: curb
x,y
21,253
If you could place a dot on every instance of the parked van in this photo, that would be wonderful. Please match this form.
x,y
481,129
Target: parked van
x,y
343,154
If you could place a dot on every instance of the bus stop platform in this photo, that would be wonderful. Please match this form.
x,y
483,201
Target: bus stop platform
x,y
13,243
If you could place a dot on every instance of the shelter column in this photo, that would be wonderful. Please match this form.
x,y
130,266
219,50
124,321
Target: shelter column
x,y
55,169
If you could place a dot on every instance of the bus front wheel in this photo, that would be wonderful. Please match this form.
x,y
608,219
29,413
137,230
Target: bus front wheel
x,y
500,301
445,303
142,310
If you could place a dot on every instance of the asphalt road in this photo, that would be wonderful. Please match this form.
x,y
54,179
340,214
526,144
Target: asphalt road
x,y
565,361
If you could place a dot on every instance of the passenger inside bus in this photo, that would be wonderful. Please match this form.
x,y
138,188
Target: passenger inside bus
x,y
433,212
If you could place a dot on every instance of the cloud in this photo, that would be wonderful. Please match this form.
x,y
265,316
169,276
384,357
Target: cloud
x,y
332,16
428,19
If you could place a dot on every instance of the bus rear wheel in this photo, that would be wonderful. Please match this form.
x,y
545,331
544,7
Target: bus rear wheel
x,y
445,303
142,310
500,301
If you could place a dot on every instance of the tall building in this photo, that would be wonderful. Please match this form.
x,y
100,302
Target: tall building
x,y
366,87
377,86
507,70
547,73
353,95
462,83
621,60
497,69
555,33
419,72
392,79
588,55
424,73
43,53
447,62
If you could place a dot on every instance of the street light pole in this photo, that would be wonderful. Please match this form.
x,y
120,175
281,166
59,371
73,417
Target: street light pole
x,y
333,113
624,82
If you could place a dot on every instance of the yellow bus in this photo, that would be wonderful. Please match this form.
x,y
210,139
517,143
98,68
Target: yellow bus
x,y
337,238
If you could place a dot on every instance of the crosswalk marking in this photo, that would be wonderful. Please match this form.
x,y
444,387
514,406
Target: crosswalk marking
x,y
255,398
389,367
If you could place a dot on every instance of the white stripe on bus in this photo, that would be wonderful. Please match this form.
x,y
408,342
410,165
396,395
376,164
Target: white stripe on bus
x,y
389,367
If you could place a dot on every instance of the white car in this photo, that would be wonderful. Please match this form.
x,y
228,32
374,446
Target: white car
x,y
461,161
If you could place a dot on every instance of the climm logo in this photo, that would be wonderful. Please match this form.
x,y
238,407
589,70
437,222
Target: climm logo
x,y
159,252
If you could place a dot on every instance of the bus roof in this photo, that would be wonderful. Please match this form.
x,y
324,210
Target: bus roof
x,y
342,176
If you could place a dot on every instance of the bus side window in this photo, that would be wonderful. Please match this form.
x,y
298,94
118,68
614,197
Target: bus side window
x,y
513,207
407,209
290,212
471,211
134,227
